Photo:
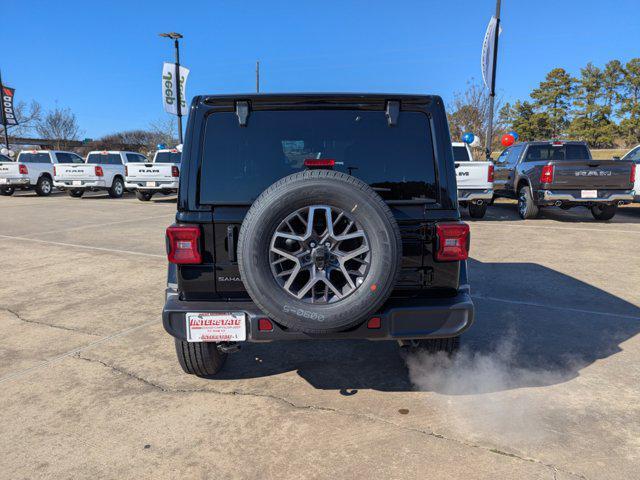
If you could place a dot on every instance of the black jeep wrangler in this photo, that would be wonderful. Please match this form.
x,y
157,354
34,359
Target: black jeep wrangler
x,y
315,216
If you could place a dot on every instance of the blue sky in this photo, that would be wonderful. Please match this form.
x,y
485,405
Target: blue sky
x,y
103,59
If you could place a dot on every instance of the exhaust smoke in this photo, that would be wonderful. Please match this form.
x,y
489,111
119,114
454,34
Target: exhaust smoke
x,y
488,395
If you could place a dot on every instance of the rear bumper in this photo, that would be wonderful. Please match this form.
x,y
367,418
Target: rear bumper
x,y
573,197
400,319
159,185
14,181
469,195
79,183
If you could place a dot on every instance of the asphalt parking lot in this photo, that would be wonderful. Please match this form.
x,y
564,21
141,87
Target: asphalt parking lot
x,y
546,386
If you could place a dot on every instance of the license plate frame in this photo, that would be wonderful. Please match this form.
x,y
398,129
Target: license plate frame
x,y
150,184
589,193
216,326
76,183
3,181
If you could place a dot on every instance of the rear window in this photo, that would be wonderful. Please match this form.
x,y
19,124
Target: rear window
x,y
460,154
34,158
4,158
104,158
560,152
241,162
68,158
167,157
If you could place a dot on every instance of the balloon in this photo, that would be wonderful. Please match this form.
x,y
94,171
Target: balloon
x,y
476,142
514,135
161,146
507,140
4,151
468,137
11,153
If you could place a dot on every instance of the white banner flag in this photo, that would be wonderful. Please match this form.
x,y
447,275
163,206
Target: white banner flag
x,y
169,92
486,62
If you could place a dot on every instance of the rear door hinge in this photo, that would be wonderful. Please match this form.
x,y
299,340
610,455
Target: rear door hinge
x,y
242,111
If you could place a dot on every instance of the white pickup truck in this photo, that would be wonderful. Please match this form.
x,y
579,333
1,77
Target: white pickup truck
x,y
634,156
162,175
103,170
34,170
475,180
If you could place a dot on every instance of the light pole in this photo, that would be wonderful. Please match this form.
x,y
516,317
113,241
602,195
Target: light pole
x,y
175,37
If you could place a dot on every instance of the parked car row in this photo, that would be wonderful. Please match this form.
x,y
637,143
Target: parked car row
x,y
545,174
113,171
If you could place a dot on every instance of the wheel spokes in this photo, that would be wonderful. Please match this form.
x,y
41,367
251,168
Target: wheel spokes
x,y
314,263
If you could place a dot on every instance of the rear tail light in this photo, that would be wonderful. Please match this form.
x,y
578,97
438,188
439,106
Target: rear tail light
x,y
452,241
99,172
319,162
546,176
126,171
22,168
632,176
183,245
175,171
490,174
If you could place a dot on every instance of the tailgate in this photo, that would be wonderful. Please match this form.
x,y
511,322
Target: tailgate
x,y
9,169
68,171
473,175
604,174
146,171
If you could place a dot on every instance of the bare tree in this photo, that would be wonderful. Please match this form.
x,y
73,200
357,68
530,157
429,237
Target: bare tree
x,y
59,125
27,116
166,129
469,112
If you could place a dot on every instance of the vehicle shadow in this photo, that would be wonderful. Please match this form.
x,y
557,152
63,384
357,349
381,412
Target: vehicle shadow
x,y
165,199
507,211
534,324
101,195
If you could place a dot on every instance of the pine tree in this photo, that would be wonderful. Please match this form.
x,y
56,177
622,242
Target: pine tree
x,y
553,97
611,84
590,112
529,124
630,102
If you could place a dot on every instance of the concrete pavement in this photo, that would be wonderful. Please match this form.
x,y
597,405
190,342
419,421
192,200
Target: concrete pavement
x,y
546,385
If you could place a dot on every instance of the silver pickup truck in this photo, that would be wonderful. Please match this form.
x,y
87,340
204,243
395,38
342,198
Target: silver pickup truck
x,y
160,176
34,170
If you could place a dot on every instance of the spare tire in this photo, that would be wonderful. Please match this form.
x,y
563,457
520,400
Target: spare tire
x,y
319,251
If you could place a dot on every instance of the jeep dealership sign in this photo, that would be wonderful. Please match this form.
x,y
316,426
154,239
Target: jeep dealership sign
x,y
169,93
7,106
